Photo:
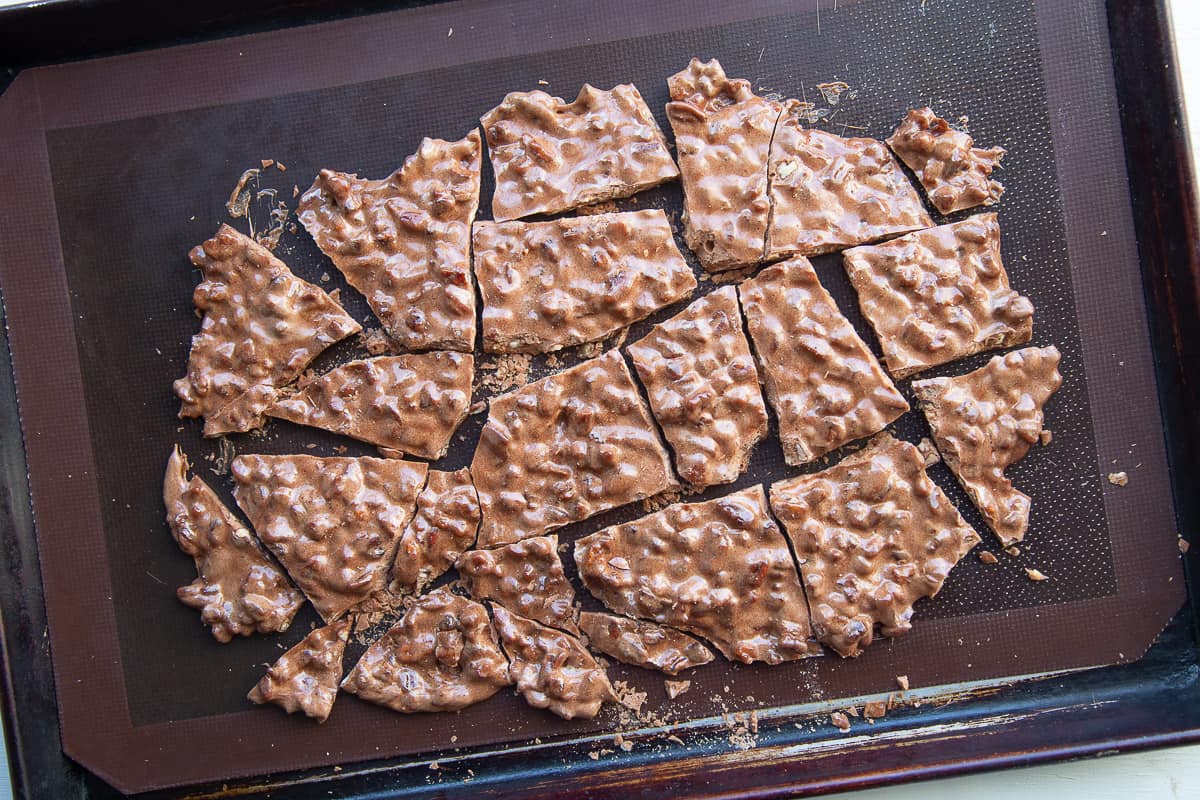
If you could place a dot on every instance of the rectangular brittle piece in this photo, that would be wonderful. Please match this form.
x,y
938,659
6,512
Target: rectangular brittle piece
x,y
830,192
412,403
825,385
549,285
403,241
703,388
873,535
550,156
938,295
565,448
723,140
720,570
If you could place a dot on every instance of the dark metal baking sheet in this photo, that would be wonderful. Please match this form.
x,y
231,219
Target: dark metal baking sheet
x,y
115,163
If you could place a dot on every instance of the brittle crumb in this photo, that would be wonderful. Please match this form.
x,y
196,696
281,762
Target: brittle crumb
x,y
676,688
902,682
1013,550
986,557
1045,437
1036,575
840,721
929,452
1118,478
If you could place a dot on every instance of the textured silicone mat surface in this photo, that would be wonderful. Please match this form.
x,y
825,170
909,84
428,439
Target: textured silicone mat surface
x,y
134,192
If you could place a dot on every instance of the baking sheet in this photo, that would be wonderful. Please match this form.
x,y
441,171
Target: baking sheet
x,y
136,183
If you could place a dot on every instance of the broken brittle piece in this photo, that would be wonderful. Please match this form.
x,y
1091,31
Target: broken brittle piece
x,y
719,569
873,534
444,526
526,577
955,173
703,388
550,156
987,420
261,327
306,677
333,523
239,590
403,241
643,644
549,285
938,295
825,385
411,403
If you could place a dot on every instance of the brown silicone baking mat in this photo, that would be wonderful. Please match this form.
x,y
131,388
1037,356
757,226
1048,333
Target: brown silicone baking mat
x,y
117,167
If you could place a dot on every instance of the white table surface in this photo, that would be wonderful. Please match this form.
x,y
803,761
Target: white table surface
x,y
1170,773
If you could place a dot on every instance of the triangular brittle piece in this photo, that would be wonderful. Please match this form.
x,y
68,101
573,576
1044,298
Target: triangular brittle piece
x,y
704,389
552,669
565,448
441,656
444,526
240,590
404,241
985,421
826,387
938,295
411,403
332,522
722,138
549,156
955,173
643,644
527,578
828,192
306,677
549,285
262,326
719,569
873,535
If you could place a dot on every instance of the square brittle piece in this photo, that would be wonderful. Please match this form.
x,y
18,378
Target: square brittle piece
x,y
722,138
704,389
403,241
333,523
720,570
873,535
938,295
985,421
565,448
829,192
550,156
954,172
826,387
549,285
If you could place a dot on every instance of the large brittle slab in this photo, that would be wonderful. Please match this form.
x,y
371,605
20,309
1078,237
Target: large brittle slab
x,y
643,644
239,590
444,526
826,387
829,192
565,448
332,522
411,403
719,569
938,295
525,577
722,139
985,421
306,677
403,241
703,388
873,535
550,156
955,173
262,326
442,655
552,669
549,285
